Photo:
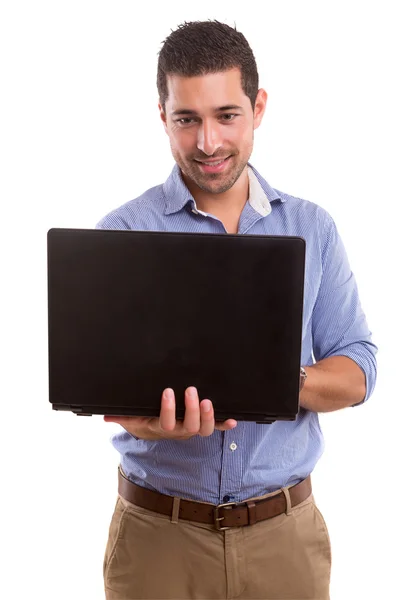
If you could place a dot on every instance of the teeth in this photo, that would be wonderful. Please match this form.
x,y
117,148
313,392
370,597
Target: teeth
x,y
213,164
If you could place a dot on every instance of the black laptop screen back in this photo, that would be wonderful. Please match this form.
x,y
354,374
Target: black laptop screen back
x,y
131,313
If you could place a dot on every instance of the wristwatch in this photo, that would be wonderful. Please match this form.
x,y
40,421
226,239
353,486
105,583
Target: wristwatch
x,y
303,377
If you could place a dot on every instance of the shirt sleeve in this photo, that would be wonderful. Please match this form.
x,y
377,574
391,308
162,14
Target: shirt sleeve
x,y
339,325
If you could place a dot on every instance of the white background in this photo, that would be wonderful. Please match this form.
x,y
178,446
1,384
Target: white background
x,y
80,135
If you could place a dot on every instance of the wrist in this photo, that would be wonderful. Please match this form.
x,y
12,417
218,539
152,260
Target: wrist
x,y
303,377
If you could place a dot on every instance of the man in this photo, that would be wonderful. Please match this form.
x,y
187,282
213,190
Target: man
x,y
166,539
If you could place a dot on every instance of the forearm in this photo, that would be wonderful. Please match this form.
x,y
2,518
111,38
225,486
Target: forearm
x,y
333,383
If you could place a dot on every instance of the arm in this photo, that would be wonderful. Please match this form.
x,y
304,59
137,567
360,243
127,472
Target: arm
x,y
333,383
344,373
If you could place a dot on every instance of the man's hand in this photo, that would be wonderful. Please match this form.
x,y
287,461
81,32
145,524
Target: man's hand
x,y
198,420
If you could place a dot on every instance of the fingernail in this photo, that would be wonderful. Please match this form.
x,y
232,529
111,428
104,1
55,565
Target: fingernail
x,y
192,391
206,405
168,394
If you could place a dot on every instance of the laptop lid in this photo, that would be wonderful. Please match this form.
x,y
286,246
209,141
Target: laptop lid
x,y
131,313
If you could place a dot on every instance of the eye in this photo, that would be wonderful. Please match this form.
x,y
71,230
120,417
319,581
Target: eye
x,y
185,121
228,116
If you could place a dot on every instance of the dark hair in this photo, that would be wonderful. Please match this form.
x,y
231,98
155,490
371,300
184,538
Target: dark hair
x,y
201,47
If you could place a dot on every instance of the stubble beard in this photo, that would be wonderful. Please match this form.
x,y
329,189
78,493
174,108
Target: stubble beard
x,y
212,183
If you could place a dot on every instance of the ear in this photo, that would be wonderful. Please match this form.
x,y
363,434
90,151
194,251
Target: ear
x,y
163,116
259,107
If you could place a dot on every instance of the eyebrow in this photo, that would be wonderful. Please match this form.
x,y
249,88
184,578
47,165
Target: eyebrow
x,y
186,111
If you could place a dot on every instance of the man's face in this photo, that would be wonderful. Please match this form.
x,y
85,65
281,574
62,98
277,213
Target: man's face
x,y
210,124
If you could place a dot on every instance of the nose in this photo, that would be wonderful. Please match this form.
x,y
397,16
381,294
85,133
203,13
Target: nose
x,y
208,139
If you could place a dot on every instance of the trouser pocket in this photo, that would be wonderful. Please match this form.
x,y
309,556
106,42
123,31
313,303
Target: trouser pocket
x,y
113,535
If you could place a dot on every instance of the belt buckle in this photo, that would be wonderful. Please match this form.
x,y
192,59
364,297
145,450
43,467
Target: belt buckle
x,y
218,519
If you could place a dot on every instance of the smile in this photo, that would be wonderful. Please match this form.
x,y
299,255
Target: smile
x,y
213,163
214,166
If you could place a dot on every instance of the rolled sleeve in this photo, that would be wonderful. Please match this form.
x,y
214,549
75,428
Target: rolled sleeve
x,y
339,325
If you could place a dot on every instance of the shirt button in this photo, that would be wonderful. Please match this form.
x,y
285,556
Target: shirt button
x,y
233,446
226,498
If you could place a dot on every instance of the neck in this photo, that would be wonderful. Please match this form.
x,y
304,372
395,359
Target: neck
x,y
229,203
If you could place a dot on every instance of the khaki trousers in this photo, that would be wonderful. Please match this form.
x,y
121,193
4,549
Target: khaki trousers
x,y
148,557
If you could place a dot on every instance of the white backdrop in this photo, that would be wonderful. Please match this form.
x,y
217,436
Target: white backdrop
x,y
80,135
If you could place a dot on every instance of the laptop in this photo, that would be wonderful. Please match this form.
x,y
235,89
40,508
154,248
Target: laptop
x,y
131,313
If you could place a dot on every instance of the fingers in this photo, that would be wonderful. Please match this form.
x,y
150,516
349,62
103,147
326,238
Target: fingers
x,y
226,425
198,420
199,416
191,422
207,421
168,410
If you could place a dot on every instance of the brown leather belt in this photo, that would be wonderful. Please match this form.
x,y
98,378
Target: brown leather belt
x,y
223,516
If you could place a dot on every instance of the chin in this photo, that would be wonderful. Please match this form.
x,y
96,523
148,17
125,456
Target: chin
x,y
214,186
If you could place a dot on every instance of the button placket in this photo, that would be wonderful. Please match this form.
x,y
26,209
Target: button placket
x,y
232,464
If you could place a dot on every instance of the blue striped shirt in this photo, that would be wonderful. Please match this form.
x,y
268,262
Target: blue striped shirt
x,y
253,459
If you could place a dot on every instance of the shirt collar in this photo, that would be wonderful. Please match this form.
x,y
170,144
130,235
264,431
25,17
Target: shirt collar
x,y
177,195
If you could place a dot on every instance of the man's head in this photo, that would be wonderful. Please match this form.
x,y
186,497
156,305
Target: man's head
x,y
209,102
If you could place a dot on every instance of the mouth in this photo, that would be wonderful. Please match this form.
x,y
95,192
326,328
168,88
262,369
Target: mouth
x,y
213,166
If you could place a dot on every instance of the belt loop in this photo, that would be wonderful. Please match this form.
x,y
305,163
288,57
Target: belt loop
x,y
175,510
251,509
288,511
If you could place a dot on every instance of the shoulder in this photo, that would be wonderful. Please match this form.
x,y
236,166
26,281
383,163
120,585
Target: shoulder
x,y
309,220
306,208
297,212
305,217
138,213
